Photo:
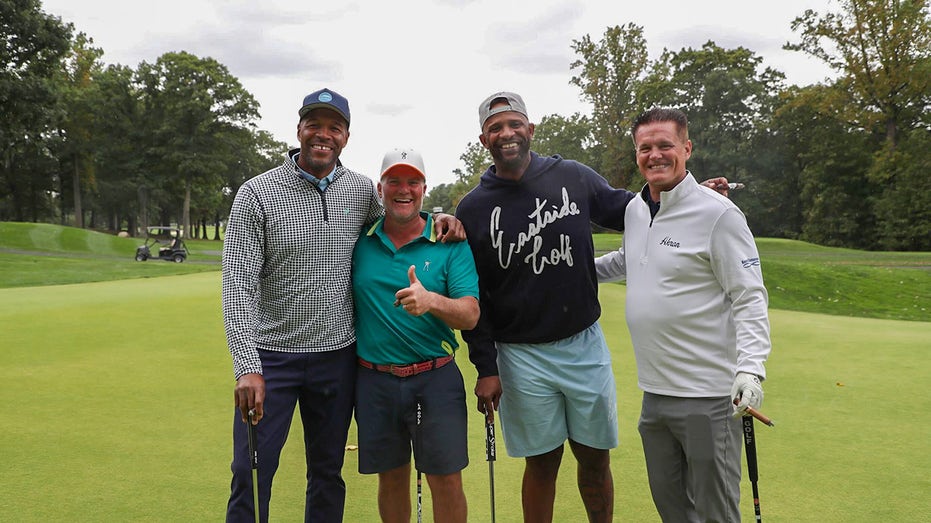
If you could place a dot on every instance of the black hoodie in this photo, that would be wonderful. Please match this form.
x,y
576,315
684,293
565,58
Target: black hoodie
x,y
532,243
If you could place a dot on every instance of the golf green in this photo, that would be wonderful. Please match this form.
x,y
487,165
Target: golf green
x,y
118,406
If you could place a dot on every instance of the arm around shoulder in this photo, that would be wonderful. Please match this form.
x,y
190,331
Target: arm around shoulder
x,y
611,267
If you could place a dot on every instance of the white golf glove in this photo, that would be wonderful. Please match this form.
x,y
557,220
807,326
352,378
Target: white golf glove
x,y
747,391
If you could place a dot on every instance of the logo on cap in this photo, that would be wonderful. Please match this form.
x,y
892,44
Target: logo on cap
x,y
325,97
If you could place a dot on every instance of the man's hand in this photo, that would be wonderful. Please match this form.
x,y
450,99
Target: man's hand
x,y
250,394
488,391
718,184
746,392
448,227
415,299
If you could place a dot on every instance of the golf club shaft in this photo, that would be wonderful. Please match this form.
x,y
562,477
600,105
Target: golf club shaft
x,y
752,470
490,456
419,474
254,463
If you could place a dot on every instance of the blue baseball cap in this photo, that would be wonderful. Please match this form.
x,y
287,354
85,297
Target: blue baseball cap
x,y
327,99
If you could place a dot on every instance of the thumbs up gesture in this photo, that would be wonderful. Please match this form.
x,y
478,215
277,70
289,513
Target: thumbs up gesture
x,y
415,299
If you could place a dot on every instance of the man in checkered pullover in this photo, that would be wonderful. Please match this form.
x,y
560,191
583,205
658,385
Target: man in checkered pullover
x,y
288,311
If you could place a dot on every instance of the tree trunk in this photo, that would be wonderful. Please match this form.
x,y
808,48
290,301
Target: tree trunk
x,y
216,223
62,215
78,210
186,211
143,209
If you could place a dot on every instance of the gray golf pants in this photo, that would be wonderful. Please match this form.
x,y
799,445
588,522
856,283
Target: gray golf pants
x,y
692,450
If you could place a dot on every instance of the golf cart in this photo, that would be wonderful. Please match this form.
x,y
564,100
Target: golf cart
x,y
166,243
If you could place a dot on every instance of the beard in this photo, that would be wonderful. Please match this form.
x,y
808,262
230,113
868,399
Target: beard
x,y
511,162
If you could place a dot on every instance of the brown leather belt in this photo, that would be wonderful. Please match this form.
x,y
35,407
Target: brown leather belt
x,y
404,371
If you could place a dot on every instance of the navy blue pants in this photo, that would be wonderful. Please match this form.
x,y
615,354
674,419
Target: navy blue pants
x,y
322,384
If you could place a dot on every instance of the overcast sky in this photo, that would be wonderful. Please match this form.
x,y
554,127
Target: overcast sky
x,y
414,71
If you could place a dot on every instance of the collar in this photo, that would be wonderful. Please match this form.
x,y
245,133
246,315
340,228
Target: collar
x,y
326,180
670,197
428,234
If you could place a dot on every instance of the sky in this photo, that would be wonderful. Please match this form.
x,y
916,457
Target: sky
x,y
414,71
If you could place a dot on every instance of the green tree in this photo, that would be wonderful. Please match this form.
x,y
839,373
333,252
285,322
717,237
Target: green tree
x,y
32,44
729,99
882,51
830,159
476,160
439,196
903,210
79,102
259,153
196,111
612,75
119,145
568,137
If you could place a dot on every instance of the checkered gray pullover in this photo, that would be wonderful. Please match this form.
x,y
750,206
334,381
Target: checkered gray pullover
x,y
287,260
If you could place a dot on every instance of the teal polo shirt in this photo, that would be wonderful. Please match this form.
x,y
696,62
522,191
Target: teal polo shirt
x,y
387,334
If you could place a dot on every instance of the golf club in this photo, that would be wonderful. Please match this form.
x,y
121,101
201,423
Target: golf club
x,y
490,457
752,471
419,478
254,462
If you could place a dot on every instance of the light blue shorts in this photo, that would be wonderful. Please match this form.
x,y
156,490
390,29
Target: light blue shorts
x,y
556,391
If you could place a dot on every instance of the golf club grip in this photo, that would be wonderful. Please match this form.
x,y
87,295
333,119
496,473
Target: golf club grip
x,y
417,444
253,448
490,442
490,455
750,446
419,498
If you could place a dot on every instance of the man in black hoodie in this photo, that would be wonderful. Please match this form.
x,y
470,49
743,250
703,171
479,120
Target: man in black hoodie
x,y
538,347
528,224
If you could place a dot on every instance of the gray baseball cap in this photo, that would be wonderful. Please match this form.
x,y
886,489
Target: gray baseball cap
x,y
514,103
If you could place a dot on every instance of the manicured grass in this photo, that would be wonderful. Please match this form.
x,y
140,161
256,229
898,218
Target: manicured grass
x,y
33,254
799,276
805,277
118,401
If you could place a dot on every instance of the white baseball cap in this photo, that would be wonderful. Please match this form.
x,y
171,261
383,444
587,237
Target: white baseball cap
x,y
403,158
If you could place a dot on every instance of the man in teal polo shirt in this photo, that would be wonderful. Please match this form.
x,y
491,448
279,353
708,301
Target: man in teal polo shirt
x,y
410,292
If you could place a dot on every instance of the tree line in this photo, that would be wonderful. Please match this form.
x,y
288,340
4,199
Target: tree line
x,y
116,148
842,162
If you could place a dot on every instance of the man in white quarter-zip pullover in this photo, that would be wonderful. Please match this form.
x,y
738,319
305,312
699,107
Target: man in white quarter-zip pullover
x,y
697,314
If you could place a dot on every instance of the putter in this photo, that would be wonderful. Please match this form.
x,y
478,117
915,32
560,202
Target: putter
x,y
752,471
419,478
254,462
490,458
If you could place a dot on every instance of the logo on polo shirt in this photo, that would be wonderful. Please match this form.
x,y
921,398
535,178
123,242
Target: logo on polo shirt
x,y
668,242
750,262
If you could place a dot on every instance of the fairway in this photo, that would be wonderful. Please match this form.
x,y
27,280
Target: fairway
x,y
118,400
